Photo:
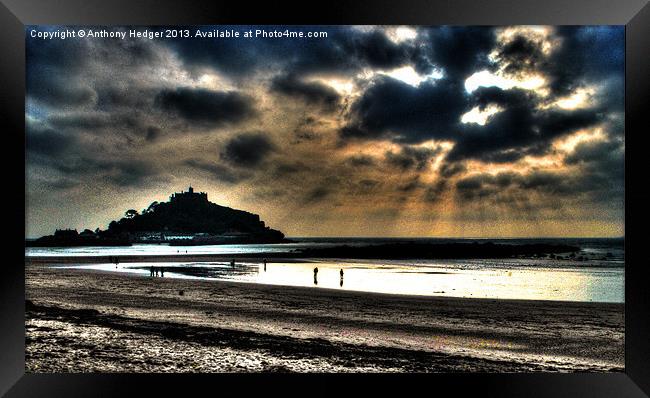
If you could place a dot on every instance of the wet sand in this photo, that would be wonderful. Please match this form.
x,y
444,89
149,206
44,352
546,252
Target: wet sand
x,y
92,321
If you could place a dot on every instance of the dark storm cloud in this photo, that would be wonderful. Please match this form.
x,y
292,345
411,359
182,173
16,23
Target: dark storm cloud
x,y
235,57
518,130
247,149
345,50
602,165
51,70
348,50
69,73
596,184
376,50
520,54
395,110
200,106
592,151
313,93
486,185
583,55
458,51
586,54
390,108
484,96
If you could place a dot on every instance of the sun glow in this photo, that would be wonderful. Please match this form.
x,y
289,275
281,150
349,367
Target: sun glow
x,y
409,76
213,82
569,143
487,79
342,86
579,99
480,116
401,34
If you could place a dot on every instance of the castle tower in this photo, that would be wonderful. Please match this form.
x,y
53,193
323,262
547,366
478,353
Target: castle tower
x,y
191,190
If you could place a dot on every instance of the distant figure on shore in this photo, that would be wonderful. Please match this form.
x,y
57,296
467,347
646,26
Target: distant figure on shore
x,y
264,265
156,271
341,273
117,261
162,272
316,276
151,271
232,263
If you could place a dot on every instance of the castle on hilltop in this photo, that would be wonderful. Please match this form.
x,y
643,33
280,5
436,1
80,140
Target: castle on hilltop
x,y
189,197
187,219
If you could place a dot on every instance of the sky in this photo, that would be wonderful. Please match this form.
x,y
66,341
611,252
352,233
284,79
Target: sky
x,y
371,131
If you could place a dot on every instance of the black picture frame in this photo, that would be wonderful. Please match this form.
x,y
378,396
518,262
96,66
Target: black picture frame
x,y
634,14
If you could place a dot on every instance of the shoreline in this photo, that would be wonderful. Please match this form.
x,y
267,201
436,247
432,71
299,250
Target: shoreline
x,y
161,258
446,334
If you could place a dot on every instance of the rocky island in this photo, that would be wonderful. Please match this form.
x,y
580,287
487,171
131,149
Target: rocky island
x,y
188,218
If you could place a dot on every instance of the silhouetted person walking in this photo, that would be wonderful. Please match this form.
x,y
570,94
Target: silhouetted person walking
x,y
232,263
156,271
264,265
162,272
151,271
316,276
341,273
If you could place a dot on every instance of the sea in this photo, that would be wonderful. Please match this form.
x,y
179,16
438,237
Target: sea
x,y
595,274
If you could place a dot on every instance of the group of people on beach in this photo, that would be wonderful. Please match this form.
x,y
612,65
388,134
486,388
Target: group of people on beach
x,y
160,271
155,271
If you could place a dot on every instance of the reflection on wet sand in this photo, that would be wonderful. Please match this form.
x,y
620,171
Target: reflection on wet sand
x,y
402,277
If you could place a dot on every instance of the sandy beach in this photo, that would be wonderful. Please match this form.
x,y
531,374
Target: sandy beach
x,y
92,321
